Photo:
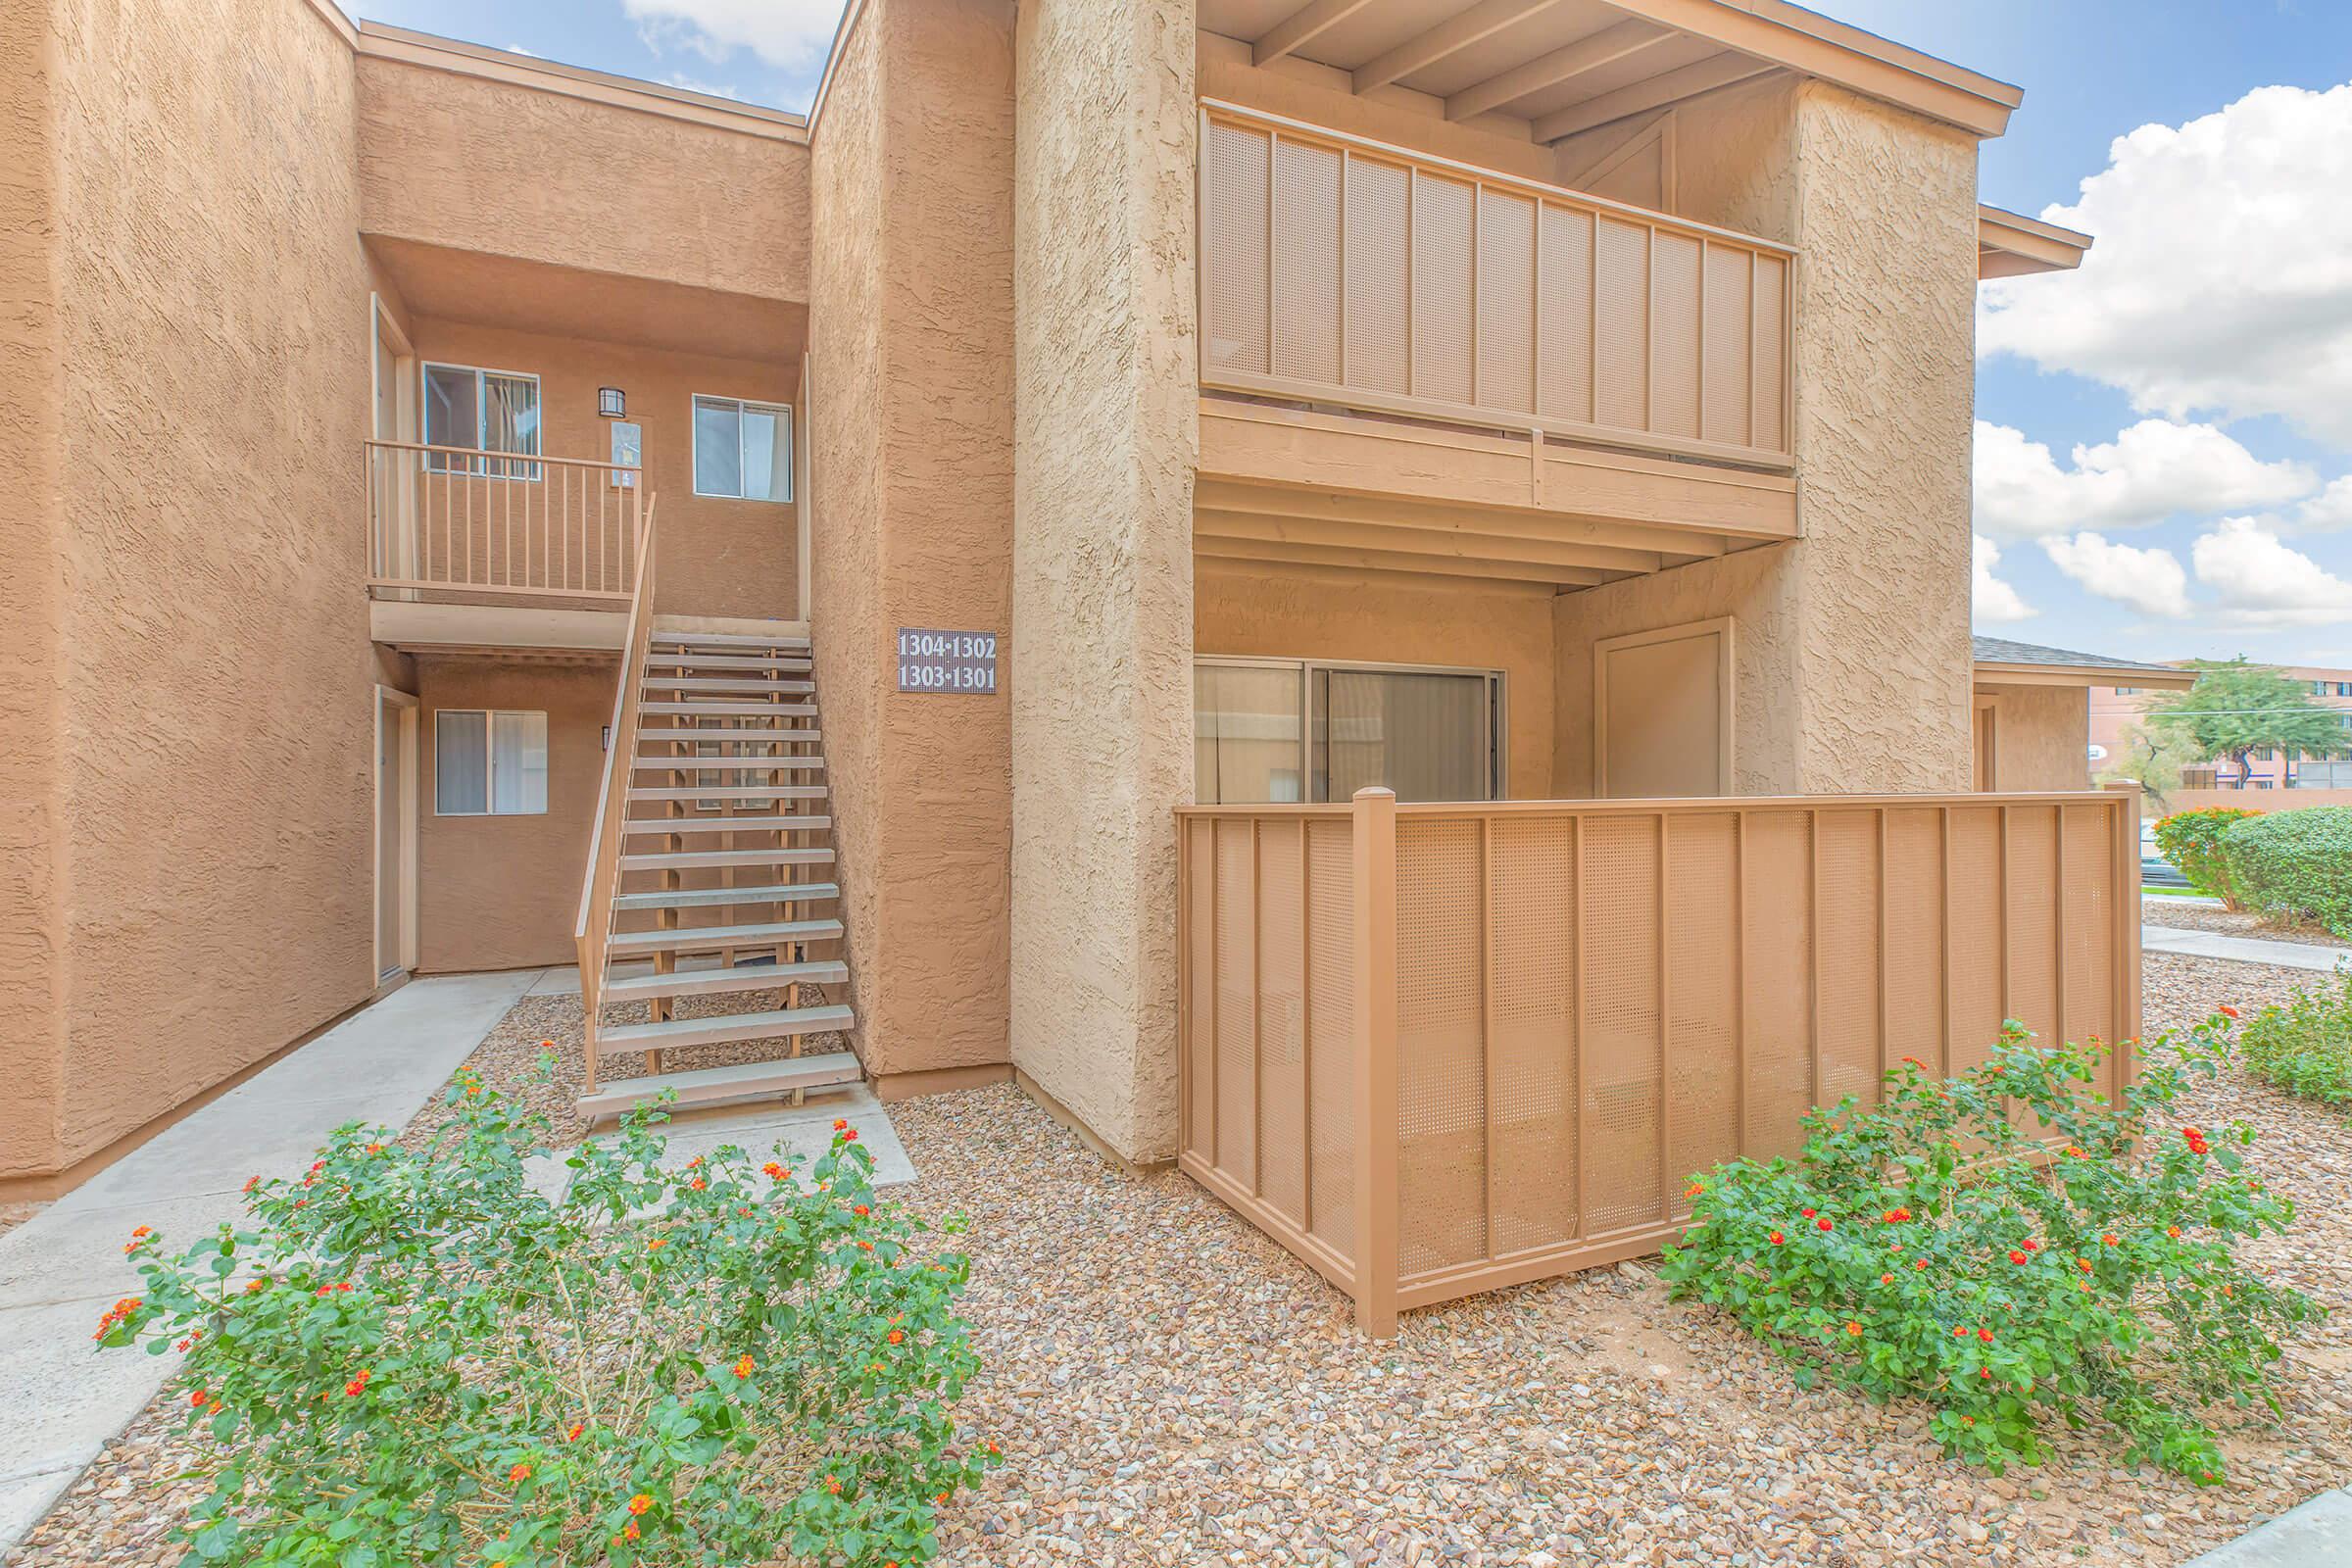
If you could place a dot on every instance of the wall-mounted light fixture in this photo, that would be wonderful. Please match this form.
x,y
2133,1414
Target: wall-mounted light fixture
x,y
611,402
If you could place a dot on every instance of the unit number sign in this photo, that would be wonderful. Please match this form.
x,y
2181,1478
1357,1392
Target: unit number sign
x,y
947,660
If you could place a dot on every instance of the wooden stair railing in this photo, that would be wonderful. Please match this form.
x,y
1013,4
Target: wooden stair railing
x,y
592,932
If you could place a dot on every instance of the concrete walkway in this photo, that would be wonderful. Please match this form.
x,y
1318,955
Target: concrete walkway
x,y
61,1399
2317,1535
2244,950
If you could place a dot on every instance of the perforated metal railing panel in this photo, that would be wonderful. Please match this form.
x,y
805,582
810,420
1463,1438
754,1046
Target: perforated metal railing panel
x,y
1594,1000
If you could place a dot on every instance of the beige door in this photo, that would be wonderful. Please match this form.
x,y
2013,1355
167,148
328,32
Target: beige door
x,y
1661,713
395,833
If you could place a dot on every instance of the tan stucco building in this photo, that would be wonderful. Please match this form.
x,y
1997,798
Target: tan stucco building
x,y
1494,402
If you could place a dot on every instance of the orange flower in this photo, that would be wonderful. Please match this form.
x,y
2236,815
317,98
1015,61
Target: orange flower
x,y
743,1368
629,1531
839,1122
861,1211
867,1246
697,1183
2109,1239
1695,1188
2174,1230
2227,1011
833,1485
1853,1328
1885,1279
374,1149
518,1473
251,1182
657,1244
573,1435
640,1502
898,1336
772,1171
198,1397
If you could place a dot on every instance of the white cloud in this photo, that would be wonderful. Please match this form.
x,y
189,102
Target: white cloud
x,y
1995,602
2264,584
793,34
2222,276
2329,510
2149,473
2149,581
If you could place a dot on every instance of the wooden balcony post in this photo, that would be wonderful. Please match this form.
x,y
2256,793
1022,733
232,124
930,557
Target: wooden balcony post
x,y
2126,933
1373,1053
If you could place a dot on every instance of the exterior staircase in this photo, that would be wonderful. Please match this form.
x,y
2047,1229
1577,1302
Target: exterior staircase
x,y
709,903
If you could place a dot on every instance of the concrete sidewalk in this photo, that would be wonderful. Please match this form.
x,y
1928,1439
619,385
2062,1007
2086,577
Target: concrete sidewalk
x,y
2242,950
2317,1535
60,1398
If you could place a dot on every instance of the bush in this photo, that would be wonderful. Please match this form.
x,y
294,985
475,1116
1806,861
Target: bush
x,y
1928,1248
2305,1047
414,1357
2296,866
2192,842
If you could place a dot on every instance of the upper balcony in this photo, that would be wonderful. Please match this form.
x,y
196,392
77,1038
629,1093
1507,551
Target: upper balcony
x,y
1342,271
469,548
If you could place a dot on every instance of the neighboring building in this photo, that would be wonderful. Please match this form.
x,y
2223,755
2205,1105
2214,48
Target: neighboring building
x,y
1540,400
2114,708
2037,712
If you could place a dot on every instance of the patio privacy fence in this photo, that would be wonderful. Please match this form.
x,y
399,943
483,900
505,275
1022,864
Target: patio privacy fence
x,y
1439,1049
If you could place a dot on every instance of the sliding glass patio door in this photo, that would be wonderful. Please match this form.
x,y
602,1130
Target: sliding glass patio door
x,y
1263,728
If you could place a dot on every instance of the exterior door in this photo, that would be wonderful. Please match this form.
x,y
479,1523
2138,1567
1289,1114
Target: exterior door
x,y
395,833
1662,713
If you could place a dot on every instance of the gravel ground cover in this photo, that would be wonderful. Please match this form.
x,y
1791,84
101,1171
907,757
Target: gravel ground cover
x,y
1172,1387
2233,923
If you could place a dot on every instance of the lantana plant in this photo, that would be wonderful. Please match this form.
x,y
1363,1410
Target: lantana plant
x,y
2007,1244
416,1357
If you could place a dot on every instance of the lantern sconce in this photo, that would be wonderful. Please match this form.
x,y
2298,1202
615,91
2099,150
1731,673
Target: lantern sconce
x,y
611,403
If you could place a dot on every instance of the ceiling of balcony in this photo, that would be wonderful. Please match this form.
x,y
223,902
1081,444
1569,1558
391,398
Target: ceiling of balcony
x,y
1566,66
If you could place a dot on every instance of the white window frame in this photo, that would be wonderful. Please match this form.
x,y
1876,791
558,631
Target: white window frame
x,y
787,458
490,464
1496,727
490,719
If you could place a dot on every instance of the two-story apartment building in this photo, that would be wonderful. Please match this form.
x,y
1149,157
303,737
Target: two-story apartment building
x,y
1507,401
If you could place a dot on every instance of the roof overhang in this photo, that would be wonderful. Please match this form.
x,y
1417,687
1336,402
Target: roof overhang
x,y
1568,66
2013,245
2142,676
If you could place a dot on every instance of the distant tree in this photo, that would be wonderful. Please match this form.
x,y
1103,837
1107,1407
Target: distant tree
x,y
2238,708
2151,758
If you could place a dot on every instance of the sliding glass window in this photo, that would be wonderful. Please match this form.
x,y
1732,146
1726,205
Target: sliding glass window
x,y
1260,727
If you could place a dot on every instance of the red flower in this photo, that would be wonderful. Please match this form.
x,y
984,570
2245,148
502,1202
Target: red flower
x,y
1960,1333
2033,1245
2174,1230
640,1502
573,1436
2227,1011
629,1531
850,1136
2015,1257
1777,1238
1822,1223
1918,1262
2110,1239
772,1171
1809,1212
896,1336
1853,1328
356,1386
869,1246
518,1473
839,1122
1983,1371
744,1367
1986,1335
198,1397
1885,1279
2082,1264
251,1182
861,1211
833,1485
697,1183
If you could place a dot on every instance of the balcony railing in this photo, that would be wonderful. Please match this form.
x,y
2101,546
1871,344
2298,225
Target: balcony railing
x,y
1336,270
1436,1050
451,522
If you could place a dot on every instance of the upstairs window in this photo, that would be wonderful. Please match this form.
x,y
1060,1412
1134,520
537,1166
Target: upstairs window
x,y
482,410
742,451
489,764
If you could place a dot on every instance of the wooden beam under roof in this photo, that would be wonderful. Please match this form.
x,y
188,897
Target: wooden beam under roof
x,y
1375,577
1705,76
1433,543
1449,37
1301,27
1671,545
1401,560
1558,67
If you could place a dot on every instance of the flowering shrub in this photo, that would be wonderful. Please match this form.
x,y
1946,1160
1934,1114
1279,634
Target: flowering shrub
x,y
1928,1248
2192,842
2305,1047
2294,865
414,1357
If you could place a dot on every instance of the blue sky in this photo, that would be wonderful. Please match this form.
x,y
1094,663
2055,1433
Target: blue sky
x,y
2158,433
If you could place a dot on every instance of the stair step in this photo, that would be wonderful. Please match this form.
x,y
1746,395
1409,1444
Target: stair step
x,y
703,898
757,822
700,859
730,735
725,710
704,938
714,1085
713,792
726,765
727,639
726,982
724,683
791,664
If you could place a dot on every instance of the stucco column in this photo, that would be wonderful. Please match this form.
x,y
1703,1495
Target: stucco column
x,y
1105,440
1884,215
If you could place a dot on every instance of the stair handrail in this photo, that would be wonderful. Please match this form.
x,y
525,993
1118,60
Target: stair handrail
x,y
592,931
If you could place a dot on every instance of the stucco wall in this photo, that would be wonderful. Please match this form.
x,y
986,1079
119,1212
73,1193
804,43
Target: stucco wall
x,y
1853,665
208,868
911,380
502,892
718,556
2041,736
481,165
1106,437
1267,616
